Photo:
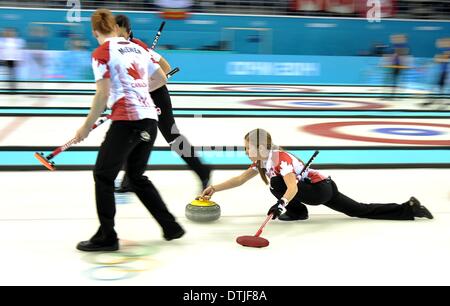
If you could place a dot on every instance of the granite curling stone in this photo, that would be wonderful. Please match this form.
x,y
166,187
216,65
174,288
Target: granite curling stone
x,y
201,210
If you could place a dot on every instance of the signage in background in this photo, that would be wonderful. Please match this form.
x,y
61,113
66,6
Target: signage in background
x,y
386,7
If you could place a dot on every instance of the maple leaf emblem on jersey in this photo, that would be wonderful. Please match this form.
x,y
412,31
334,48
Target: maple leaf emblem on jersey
x,y
286,168
135,71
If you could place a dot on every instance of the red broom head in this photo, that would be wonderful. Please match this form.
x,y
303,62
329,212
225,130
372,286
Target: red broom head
x,y
43,160
252,241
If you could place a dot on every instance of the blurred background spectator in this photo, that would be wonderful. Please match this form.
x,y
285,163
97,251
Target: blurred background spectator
x,y
421,9
76,42
59,48
11,47
37,37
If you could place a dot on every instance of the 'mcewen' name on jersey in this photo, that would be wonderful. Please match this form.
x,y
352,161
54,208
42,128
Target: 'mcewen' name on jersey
x,y
129,49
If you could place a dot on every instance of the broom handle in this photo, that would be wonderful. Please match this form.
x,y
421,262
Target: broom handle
x,y
158,34
72,141
259,232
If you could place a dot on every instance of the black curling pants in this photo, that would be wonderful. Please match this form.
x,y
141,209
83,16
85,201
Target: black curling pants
x,y
171,134
130,142
327,193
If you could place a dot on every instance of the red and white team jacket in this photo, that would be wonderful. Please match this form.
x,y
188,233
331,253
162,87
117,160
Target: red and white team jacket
x,y
281,163
156,56
129,66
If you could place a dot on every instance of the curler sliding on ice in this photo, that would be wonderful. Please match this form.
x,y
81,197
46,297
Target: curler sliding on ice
x,y
294,187
257,241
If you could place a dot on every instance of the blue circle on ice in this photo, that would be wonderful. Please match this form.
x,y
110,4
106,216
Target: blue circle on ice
x,y
265,88
314,103
408,132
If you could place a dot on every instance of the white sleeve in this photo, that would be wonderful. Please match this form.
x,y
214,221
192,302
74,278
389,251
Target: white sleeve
x,y
153,66
154,55
101,71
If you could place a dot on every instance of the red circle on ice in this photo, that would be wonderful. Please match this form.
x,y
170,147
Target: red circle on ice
x,y
265,88
357,105
328,129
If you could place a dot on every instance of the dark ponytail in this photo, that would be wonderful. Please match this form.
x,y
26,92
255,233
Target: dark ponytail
x,y
124,22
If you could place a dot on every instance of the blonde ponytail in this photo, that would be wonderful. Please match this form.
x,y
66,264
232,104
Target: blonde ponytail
x,y
262,172
260,137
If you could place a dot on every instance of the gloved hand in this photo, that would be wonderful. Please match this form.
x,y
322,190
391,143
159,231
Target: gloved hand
x,y
277,209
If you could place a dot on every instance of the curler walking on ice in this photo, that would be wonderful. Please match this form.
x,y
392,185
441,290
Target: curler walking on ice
x,y
125,73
